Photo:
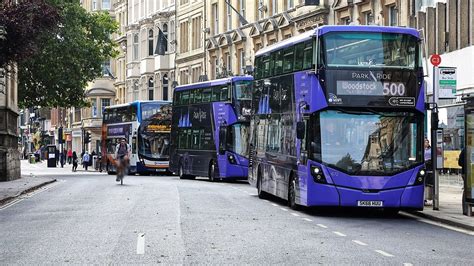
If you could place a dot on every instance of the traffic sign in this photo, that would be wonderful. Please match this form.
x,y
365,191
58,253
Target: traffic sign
x,y
435,59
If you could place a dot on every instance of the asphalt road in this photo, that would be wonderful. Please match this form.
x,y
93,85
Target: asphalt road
x,y
89,218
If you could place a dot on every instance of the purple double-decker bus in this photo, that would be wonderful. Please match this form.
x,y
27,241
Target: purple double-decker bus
x,y
337,119
210,128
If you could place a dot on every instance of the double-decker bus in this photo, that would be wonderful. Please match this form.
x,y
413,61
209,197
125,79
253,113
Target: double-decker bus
x,y
210,128
337,119
146,125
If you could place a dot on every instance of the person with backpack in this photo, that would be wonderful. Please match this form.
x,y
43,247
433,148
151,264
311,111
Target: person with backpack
x,y
122,156
85,160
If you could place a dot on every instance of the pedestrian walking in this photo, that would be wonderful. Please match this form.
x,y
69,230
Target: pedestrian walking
x,y
56,154
75,161
69,156
85,160
82,156
462,163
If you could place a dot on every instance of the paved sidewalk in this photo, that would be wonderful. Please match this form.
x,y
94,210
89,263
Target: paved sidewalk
x,y
450,209
11,189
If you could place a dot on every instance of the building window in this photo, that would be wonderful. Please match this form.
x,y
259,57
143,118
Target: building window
x,y
104,102
172,34
150,42
165,87
106,4
184,37
345,21
165,33
94,107
94,5
106,69
369,19
260,9
274,7
135,46
196,33
291,4
135,91
151,87
228,62
215,15
241,61
228,17
183,2
392,15
242,9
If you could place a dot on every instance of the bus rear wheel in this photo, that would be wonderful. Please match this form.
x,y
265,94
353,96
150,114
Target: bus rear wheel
x,y
213,172
261,194
292,194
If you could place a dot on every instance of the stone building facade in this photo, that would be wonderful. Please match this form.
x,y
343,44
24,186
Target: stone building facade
x,y
9,154
148,75
190,51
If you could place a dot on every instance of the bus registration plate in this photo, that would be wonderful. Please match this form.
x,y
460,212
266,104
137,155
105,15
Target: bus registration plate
x,y
370,203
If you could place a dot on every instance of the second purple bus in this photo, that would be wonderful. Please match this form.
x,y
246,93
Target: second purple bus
x,y
209,130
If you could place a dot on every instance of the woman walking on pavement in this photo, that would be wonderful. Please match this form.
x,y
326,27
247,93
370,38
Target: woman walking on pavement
x,y
74,161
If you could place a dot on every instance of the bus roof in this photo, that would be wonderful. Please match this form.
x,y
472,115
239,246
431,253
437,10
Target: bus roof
x,y
336,28
211,83
135,103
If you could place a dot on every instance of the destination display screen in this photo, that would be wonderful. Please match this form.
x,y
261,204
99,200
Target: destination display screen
x,y
371,88
365,88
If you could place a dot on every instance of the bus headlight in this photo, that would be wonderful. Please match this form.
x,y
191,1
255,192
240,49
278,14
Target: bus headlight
x,y
420,177
231,159
318,175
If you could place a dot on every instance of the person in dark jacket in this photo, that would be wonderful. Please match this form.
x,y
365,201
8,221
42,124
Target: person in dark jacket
x,y
462,163
75,161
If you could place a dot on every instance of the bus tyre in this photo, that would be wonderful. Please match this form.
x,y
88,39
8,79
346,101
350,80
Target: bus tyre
x,y
181,171
292,194
213,172
261,194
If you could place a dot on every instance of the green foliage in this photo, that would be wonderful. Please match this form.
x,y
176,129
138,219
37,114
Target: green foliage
x,y
69,58
23,24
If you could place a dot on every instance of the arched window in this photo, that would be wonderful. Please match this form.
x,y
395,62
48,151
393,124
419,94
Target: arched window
x,y
165,87
165,33
150,42
151,85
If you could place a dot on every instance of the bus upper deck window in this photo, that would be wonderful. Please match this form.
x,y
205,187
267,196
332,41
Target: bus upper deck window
x,y
206,95
198,96
215,94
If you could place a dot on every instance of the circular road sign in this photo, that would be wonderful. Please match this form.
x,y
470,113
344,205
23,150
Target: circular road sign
x,y
435,59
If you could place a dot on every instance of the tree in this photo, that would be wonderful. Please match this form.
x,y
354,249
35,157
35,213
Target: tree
x,y
71,55
23,24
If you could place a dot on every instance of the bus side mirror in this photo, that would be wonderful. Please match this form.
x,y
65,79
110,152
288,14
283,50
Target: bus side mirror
x,y
300,129
222,139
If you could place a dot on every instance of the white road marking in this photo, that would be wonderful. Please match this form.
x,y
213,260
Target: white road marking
x,y
295,214
322,225
407,264
276,205
383,253
141,243
283,209
423,220
338,233
306,219
266,200
359,242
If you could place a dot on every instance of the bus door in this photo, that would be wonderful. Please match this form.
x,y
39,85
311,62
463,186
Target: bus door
x,y
302,158
133,158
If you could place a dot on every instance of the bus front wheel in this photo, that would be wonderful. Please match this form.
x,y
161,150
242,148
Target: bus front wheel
x,y
213,172
292,193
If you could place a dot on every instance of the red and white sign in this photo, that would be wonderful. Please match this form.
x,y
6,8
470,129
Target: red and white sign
x,y
435,59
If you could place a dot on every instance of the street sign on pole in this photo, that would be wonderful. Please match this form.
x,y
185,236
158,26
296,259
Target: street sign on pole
x,y
445,82
435,60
